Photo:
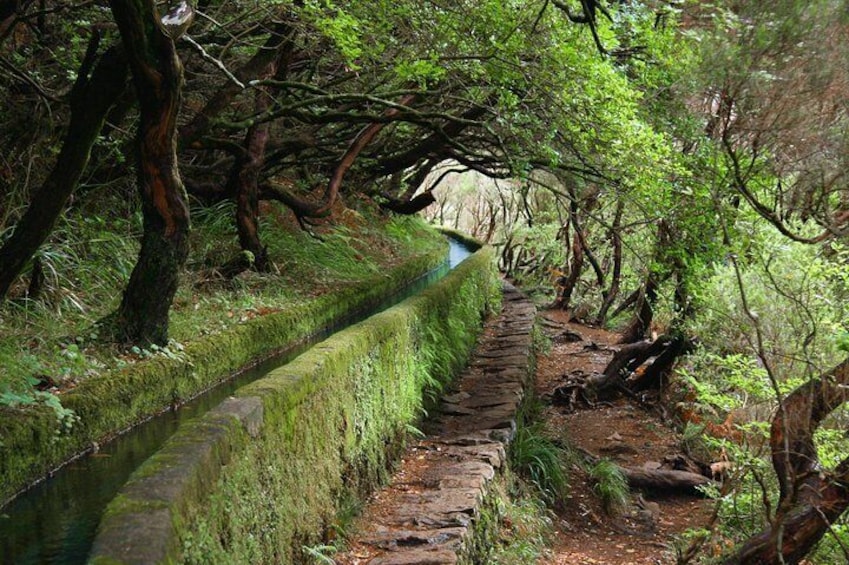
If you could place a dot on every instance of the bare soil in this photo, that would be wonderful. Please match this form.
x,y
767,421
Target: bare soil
x,y
631,435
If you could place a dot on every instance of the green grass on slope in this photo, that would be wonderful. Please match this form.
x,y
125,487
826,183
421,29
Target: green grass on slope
x,y
53,341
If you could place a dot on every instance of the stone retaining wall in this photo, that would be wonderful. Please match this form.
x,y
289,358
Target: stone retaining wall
x,y
440,508
30,447
262,476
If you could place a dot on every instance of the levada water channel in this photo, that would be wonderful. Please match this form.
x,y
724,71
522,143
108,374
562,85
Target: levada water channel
x,y
55,522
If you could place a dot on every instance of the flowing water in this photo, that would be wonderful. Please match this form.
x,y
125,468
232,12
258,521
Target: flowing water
x,y
55,521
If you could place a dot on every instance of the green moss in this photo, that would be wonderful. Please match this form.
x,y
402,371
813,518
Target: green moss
x,y
487,525
114,401
333,420
467,240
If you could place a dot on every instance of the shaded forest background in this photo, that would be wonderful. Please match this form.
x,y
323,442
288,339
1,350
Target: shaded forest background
x,y
676,170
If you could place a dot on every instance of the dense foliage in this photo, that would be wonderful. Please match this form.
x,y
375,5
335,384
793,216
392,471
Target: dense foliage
x,y
667,167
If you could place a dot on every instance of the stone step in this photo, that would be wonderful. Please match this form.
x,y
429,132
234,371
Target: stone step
x,y
429,512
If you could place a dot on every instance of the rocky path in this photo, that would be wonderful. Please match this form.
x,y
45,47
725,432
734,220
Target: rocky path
x,y
650,528
435,509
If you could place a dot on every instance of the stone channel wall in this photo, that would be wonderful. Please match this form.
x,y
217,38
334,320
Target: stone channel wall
x,y
441,507
262,476
30,446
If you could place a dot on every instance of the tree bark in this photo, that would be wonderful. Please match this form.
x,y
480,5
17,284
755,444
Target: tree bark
x,y
580,250
245,176
575,268
412,206
811,498
192,132
639,325
666,480
609,295
91,99
802,529
157,73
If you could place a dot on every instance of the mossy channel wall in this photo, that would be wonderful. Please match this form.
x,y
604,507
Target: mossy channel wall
x,y
265,474
31,447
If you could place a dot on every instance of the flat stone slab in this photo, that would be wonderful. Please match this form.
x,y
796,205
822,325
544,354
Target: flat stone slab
x,y
417,557
393,540
427,515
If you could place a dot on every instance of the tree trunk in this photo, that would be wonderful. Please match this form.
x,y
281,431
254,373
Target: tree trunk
x,y
639,325
575,268
412,206
609,295
801,530
652,377
580,250
811,498
158,75
91,99
629,301
666,480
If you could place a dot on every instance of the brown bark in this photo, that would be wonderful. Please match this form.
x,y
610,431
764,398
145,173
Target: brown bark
x,y
303,208
666,480
564,298
412,206
811,499
248,166
246,176
91,99
802,529
612,292
632,355
653,375
157,73
580,250
621,373
794,455
639,325
629,301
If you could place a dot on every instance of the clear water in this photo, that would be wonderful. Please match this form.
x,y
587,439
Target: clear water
x,y
55,522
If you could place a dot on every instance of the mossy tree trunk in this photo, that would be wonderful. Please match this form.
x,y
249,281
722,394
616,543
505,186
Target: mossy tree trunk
x,y
245,177
94,93
158,75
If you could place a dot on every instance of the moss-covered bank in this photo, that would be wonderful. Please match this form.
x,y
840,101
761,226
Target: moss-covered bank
x,y
31,446
326,425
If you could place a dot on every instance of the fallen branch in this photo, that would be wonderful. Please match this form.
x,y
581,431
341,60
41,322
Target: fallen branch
x,y
667,480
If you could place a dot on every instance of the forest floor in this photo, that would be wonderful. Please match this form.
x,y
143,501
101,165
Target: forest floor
x,y
625,432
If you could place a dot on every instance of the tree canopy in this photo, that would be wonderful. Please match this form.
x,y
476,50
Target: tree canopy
x,y
652,164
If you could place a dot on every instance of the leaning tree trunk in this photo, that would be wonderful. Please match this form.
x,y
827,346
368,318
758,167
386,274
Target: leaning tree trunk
x,y
612,292
639,325
811,499
576,266
580,249
247,169
91,99
158,75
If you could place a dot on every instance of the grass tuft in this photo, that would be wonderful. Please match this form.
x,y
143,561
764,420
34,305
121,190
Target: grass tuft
x,y
611,486
540,461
